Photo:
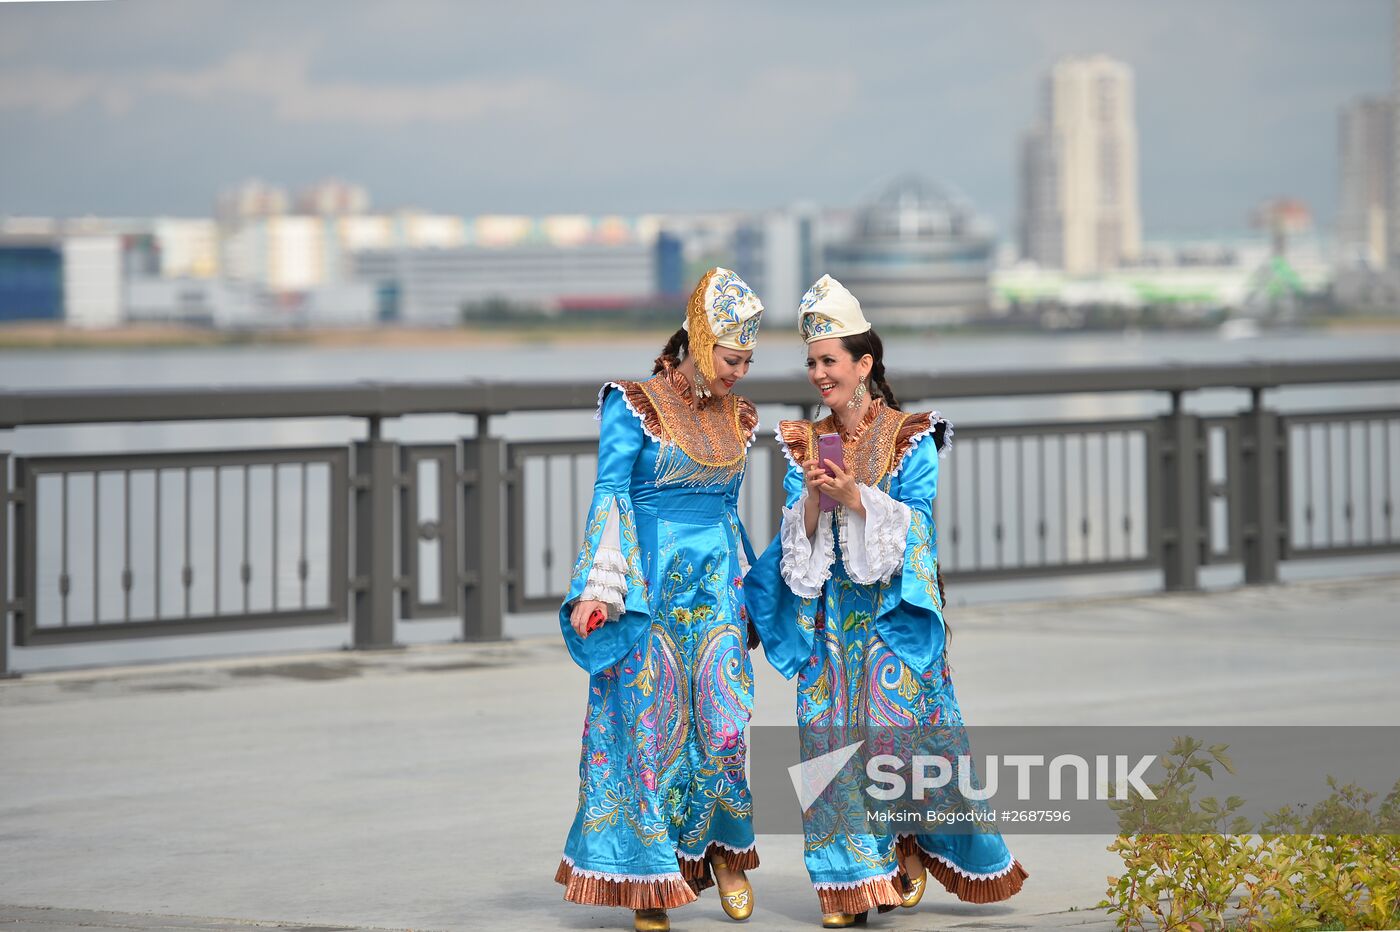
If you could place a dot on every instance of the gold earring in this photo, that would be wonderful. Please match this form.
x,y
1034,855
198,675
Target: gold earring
x,y
857,397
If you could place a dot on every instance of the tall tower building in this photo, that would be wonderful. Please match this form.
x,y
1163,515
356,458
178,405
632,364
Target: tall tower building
x,y
1366,144
1392,239
1079,170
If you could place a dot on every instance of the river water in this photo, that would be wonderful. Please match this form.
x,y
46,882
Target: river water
x,y
591,361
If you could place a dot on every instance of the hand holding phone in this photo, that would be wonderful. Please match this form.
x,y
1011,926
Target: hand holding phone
x,y
829,448
584,625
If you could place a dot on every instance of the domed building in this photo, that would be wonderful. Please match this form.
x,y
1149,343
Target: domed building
x,y
916,258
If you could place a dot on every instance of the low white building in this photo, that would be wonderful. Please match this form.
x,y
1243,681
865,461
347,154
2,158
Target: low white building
x,y
431,286
92,280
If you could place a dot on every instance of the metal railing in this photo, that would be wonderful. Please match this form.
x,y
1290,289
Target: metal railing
x,y
183,542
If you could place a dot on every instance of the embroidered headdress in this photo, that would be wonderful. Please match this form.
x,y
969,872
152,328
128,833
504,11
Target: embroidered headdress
x,y
829,310
723,311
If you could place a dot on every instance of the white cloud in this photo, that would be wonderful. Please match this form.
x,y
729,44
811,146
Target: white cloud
x,y
282,81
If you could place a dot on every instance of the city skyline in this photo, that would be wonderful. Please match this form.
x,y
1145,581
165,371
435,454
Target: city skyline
x,y
148,108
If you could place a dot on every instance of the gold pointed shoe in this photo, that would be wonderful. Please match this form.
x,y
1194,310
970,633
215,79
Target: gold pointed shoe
x,y
737,905
651,920
915,893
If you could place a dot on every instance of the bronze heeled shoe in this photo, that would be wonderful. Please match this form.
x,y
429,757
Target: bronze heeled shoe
x,y
843,920
737,905
651,920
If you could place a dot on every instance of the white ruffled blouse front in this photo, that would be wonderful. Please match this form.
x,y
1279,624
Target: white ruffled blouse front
x,y
872,547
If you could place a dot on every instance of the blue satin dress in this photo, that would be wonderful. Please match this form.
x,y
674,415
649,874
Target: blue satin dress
x,y
870,664
662,779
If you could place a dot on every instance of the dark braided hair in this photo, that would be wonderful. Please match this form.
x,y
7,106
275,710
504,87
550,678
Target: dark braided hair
x,y
868,343
673,352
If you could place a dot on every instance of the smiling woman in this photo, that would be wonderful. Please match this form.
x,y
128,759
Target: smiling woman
x,y
655,613
849,600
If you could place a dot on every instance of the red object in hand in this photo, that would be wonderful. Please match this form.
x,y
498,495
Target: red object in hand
x,y
596,620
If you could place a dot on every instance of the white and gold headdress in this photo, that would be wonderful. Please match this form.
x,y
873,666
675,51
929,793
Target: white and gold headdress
x,y
829,310
723,311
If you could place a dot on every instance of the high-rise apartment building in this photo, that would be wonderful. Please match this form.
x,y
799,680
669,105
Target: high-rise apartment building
x,y
1392,239
1079,170
1366,150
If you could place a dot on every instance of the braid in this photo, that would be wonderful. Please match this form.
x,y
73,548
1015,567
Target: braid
x,y
869,343
671,353
877,375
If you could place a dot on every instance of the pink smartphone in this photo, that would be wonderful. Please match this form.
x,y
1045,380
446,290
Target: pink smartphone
x,y
829,448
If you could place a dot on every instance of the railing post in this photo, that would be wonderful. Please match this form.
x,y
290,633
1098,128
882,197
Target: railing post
x,y
1182,502
4,565
373,572
482,605
1260,445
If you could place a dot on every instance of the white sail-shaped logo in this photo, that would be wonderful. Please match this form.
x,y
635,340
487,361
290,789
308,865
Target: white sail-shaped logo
x,y
811,777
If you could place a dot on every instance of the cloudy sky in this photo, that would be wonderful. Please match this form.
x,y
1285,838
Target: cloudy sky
x,y
140,107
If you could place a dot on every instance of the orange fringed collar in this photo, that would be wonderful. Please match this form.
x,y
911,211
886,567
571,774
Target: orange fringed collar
x,y
712,438
880,443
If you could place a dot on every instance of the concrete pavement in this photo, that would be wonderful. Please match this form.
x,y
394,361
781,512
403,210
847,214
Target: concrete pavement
x,y
430,788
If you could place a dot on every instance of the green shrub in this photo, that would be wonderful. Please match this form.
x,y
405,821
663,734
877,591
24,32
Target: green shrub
x,y
1336,865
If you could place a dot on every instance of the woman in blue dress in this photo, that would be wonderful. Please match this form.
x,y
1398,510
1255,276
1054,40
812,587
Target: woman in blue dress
x,y
849,600
664,809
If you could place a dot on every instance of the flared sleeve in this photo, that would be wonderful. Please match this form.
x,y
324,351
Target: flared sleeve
x,y
909,616
609,564
784,620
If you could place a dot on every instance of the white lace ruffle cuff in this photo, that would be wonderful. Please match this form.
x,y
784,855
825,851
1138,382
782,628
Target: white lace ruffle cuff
x,y
607,581
807,561
872,547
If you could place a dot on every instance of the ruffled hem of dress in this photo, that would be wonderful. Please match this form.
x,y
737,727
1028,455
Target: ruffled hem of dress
x,y
697,869
934,419
629,891
860,896
968,886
